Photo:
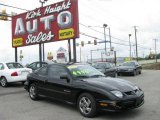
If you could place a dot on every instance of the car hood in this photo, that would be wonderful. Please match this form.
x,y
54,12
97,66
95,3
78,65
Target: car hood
x,y
109,84
125,67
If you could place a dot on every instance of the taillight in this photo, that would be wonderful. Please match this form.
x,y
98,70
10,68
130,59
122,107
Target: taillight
x,y
14,74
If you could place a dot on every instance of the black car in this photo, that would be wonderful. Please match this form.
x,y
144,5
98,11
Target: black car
x,y
84,86
132,68
107,68
36,65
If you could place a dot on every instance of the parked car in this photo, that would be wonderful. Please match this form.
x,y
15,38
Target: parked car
x,y
132,67
36,65
84,86
107,68
13,72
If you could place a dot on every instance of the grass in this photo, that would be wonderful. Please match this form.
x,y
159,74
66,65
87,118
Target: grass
x,y
151,66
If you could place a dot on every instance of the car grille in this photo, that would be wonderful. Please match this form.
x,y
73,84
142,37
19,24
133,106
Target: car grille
x,y
132,103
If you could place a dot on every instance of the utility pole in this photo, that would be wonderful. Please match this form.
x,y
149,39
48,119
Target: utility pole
x,y
80,52
104,26
130,47
135,28
42,45
110,38
155,49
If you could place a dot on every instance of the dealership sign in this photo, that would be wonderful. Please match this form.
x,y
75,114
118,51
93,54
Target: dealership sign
x,y
52,23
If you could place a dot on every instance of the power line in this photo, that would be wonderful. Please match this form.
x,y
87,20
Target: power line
x,y
84,34
111,36
13,7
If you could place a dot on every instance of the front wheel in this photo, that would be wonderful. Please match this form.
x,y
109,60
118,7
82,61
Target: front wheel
x,y
4,82
33,92
87,105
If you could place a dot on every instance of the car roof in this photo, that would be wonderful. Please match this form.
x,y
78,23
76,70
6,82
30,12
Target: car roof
x,y
9,62
68,64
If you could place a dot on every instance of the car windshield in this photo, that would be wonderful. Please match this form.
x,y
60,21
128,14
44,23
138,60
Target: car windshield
x,y
85,71
14,65
101,65
129,64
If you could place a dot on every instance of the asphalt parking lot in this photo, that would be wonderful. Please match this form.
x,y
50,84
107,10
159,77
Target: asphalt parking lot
x,y
15,103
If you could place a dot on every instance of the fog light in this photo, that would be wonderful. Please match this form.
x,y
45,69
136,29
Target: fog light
x,y
104,104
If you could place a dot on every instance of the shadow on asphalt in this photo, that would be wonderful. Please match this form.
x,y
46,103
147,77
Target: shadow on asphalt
x,y
103,114
15,85
130,114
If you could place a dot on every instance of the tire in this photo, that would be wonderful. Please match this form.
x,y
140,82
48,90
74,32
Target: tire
x,y
140,72
4,82
87,105
33,92
134,73
23,82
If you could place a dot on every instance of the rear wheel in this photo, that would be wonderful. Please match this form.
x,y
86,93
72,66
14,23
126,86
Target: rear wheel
x,y
33,92
87,105
4,82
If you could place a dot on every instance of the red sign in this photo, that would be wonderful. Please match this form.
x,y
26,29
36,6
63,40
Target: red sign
x,y
46,24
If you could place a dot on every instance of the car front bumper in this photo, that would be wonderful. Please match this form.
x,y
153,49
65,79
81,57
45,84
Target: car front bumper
x,y
125,71
121,104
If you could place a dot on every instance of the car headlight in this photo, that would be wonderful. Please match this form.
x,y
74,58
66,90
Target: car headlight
x,y
137,88
117,94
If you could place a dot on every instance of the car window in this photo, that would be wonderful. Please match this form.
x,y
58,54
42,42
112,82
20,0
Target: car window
x,y
1,66
108,65
136,63
43,65
42,71
99,65
14,65
129,64
112,65
55,71
33,66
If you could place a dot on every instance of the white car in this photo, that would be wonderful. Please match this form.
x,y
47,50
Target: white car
x,y
13,72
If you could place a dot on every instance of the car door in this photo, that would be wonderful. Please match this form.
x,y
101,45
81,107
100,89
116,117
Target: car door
x,y
41,78
58,88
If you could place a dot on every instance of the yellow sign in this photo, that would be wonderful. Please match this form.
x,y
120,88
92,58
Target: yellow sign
x,y
17,42
67,33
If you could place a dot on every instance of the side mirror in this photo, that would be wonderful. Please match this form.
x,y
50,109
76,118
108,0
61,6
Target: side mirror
x,y
65,77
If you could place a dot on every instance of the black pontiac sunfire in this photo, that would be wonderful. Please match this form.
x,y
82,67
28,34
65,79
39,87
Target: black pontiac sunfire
x,y
84,86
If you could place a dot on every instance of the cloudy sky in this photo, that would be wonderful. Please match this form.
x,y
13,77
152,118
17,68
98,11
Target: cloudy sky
x,y
119,15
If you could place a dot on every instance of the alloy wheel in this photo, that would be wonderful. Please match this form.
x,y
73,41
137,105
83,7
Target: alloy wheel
x,y
85,105
32,91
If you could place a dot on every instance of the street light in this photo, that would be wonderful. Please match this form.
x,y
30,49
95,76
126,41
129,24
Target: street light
x,y
105,26
42,2
130,46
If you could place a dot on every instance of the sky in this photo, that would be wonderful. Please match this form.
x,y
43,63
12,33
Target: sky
x,y
119,15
